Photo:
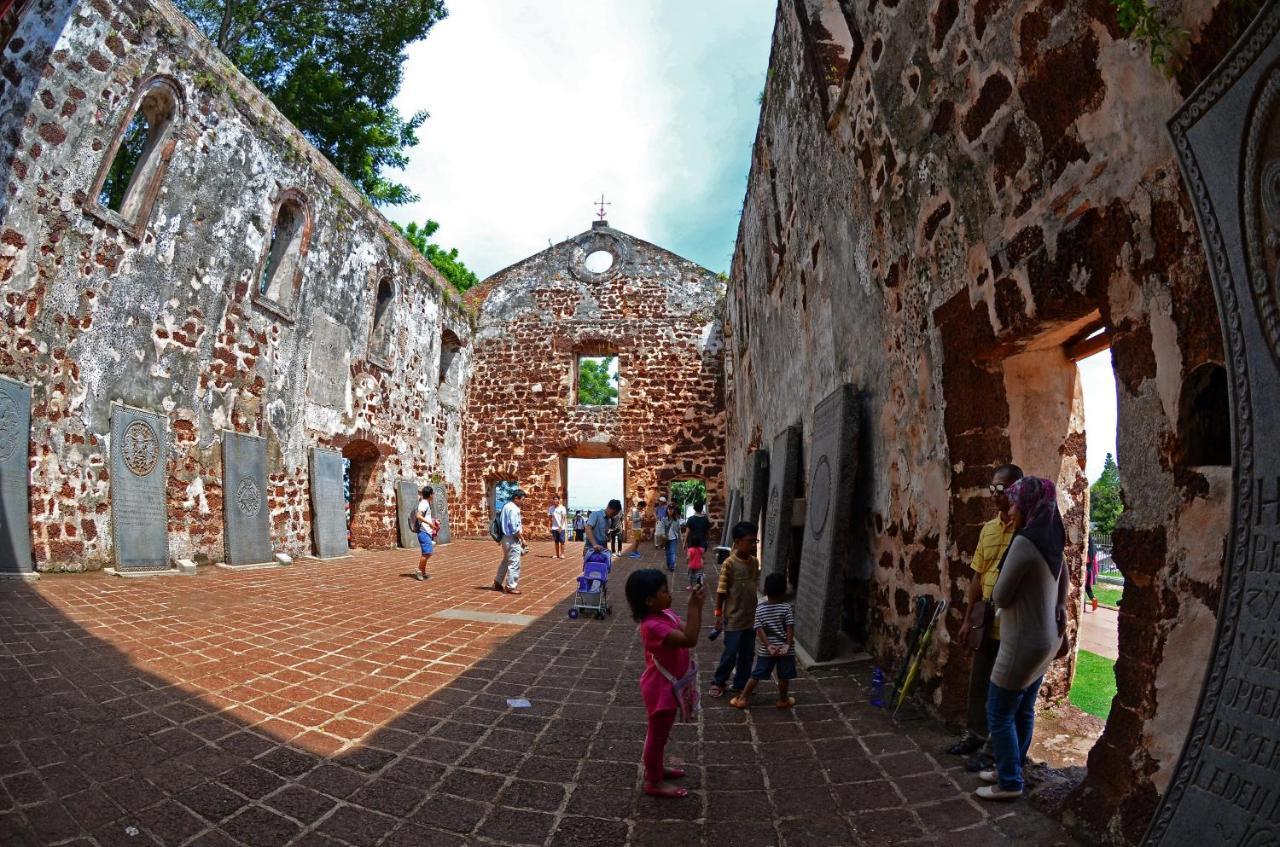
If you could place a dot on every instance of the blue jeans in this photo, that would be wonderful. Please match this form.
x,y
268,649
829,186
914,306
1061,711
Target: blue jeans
x,y
738,656
1011,718
671,554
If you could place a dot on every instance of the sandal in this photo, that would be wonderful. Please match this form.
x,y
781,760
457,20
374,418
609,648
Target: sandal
x,y
738,703
671,792
787,703
716,690
672,773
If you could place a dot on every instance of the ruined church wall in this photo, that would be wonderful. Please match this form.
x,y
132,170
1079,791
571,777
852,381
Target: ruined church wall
x,y
658,313
943,197
167,320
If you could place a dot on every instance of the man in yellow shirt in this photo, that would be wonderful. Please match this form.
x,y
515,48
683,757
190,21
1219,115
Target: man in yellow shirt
x,y
992,542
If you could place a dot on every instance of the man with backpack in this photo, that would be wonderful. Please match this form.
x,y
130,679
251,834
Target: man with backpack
x,y
510,527
423,525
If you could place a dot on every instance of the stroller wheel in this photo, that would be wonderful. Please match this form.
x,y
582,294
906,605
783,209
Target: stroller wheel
x,y
573,614
599,616
608,610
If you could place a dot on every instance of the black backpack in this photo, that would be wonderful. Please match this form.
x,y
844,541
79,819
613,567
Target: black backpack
x,y
495,528
414,526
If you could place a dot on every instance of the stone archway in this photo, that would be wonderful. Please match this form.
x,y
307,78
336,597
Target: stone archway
x,y
365,511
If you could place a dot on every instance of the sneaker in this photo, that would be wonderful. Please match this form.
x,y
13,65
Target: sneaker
x,y
995,792
989,776
420,576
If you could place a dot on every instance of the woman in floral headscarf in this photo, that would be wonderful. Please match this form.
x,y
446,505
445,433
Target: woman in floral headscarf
x,y
1030,596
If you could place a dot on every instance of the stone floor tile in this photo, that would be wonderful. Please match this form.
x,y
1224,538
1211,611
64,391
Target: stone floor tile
x,y
588,832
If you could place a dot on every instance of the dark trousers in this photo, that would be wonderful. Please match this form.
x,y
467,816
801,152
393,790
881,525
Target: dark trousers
x,y
979,682
738,656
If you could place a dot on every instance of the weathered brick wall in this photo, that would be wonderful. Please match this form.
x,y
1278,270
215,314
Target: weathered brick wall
x,y
167,321
660,315
942,196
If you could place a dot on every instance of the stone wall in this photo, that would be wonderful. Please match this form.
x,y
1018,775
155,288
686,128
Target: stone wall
x,y
946,200
157,304
657,312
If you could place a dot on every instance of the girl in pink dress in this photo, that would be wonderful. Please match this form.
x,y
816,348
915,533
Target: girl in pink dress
x,y
667,642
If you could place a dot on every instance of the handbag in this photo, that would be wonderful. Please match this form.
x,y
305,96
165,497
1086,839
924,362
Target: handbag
x,y
685,689
980,614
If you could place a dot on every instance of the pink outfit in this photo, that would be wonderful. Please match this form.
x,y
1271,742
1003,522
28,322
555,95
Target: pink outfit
x,y
654,687
695,558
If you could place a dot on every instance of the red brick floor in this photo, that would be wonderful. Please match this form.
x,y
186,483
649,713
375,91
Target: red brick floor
x,y
321,704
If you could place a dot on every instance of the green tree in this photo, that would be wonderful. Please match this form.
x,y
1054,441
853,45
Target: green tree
x,y
445,261
595,386
1105,505
686,491
332,67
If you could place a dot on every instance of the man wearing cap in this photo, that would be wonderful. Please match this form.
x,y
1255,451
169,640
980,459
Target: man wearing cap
x,y
508,577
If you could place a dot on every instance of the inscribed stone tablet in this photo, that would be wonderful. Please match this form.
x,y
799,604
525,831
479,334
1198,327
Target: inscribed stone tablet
x,y
329,366
731,518
757,488
139,514
820,594
440,511
15,448
328,514
784,470
406,501
247,530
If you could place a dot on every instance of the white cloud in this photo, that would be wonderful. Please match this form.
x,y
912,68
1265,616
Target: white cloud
x,y
1098,382
538,107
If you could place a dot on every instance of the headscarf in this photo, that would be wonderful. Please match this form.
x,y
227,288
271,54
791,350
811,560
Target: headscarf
x,y
1037,501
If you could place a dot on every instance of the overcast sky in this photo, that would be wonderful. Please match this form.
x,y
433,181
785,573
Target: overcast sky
x,y
538,107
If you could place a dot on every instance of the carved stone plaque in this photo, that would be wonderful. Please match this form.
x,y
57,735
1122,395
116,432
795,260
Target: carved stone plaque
x,y
406,501
440,510
784,471
329,365
15,449
139,514
1226,787
328,510
820,593
731,517
757,488
247,526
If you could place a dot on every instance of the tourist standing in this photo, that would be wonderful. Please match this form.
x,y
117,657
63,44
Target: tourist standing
x,y
597,528
1091,575
559,518
636,521
579,524
425,527
696,530
511,518
775,642
1030,597
615,531
673,542
736,609
992,542
659,523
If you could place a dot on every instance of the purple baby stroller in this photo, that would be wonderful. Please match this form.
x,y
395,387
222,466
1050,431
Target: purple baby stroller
x,y
593,586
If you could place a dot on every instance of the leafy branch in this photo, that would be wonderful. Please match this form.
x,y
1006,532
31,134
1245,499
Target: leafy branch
x,y
1141,20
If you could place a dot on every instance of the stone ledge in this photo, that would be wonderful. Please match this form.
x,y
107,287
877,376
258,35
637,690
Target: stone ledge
x,y
142,574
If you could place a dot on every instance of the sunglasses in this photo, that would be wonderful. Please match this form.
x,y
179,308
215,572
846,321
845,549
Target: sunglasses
x,y
998,488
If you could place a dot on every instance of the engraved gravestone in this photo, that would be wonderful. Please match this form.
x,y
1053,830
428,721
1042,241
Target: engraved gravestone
x,y
406,502
15,441
247,531
820,593
731,518
440,511
139,515
329,365
757,488
328,511
784,471
1225,789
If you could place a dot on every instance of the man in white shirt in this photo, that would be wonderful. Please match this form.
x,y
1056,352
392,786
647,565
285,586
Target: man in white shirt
x,y
559,524
425,527
508,577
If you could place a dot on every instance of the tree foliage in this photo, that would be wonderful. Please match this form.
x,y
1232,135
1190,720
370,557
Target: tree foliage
x,y
445,261
595,386
332,67
686,491
1105,505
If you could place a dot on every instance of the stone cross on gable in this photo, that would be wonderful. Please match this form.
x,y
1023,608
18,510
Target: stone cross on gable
x,y
602,203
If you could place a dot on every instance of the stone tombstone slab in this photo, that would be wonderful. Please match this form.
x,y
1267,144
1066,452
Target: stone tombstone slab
x,y
328,513
15,449
731,517
247,525
329,365
827,529
139,513
406,501
757,487
1226,787
784,471
440,510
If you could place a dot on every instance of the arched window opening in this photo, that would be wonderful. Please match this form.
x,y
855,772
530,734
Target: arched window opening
x,y
381,335
138,158
1204,418
450,361
281,273
10,13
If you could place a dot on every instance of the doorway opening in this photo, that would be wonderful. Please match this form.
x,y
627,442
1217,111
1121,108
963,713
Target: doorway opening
x,y
364,509
592,483
500,491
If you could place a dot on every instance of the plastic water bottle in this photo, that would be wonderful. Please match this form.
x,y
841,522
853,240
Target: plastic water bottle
x,y
877,688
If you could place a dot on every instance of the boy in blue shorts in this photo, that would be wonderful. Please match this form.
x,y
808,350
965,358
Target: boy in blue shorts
x,y
775,626
425,526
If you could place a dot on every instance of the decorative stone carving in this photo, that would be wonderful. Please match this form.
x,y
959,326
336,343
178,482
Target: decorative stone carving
x,y
247,527
140,448
139,513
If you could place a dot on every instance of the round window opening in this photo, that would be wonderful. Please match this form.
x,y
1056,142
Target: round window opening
x,y
599,261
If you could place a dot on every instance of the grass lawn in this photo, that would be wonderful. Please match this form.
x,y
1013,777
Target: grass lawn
x,y
1108,595
1095,683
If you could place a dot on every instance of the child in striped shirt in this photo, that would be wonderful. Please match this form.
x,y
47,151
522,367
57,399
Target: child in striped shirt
x,y
775,626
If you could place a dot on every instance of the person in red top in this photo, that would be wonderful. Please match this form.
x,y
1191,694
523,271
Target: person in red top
x,y
667,643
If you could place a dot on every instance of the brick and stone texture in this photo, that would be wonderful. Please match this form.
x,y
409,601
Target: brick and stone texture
x,y
945,199
164,314
327,704
658,313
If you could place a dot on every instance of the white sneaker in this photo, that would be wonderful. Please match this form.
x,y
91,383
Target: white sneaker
x,y
990,775
995,792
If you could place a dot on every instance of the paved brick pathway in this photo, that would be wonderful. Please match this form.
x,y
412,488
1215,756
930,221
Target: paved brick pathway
x,y
322,704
